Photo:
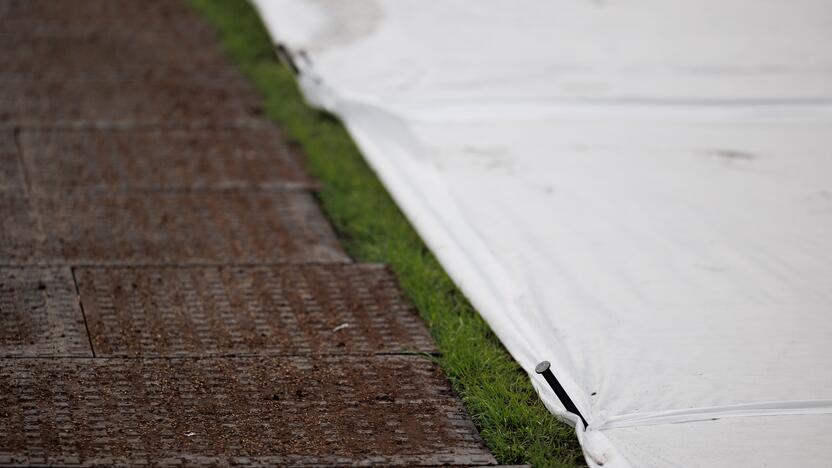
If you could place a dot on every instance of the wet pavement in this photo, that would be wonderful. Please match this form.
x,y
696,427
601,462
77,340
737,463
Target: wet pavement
x,y
170,292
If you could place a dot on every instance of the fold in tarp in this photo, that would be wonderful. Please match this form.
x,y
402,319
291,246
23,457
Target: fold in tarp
x,y
638,192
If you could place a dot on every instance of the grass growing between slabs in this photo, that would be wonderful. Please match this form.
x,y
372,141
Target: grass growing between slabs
x,y
496,392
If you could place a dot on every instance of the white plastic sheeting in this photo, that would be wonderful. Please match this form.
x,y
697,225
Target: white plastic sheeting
x,y
638,192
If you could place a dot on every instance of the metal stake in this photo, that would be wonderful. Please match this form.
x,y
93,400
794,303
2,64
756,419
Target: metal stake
x,y
544,369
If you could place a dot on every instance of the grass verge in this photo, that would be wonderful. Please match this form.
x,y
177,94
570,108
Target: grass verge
x,y
512,420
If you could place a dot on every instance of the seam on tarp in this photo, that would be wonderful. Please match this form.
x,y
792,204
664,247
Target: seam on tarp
x,y
772,408
477,111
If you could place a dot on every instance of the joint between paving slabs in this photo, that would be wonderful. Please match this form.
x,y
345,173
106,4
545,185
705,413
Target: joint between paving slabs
x,y
81,306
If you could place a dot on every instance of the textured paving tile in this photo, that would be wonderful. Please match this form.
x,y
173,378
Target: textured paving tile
x,y
11,175
166,228
389,410
40,315
328,309
156,27
189,228
129,49
114,102
161,159
115,63
144,13
110,53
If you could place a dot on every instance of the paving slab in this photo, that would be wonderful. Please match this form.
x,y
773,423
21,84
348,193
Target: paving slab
x,y
292,309
161,159
40,314
143,37
147,29
151,101
160,14
383,410
113,62
129,50
115,53
167,228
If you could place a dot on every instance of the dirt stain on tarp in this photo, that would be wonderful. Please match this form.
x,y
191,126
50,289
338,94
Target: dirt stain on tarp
x,y
733,155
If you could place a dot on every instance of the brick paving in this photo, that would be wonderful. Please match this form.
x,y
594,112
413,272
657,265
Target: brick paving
x,y
170,292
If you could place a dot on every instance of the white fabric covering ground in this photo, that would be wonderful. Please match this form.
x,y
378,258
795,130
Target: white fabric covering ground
x,y
638,192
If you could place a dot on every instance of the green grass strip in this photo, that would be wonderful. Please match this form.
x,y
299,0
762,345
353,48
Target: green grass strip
x,y
496,392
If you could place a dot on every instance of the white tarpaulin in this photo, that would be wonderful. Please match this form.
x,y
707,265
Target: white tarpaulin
x,y
639,192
